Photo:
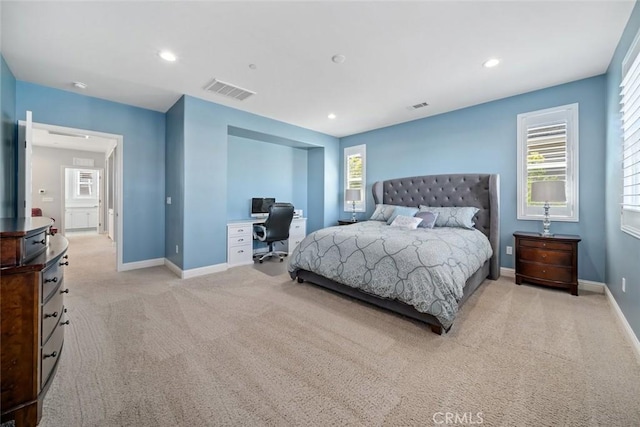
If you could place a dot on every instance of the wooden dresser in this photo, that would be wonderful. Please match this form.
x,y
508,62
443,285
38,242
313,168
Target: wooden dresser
x,y
33,315
549,261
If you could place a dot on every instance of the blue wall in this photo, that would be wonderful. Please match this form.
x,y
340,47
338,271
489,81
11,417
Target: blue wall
x,y
174,183
482,139
623,250
262,169
206,169
144,150
8,140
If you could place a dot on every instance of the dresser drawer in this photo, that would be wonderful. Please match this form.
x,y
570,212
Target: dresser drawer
x,y
562,246
52,313
563,258
34,245
50,354
546,272
51,278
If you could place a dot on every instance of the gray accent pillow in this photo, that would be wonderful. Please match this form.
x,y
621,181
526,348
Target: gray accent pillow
x,y
428,219
402,210
461,217
382,213
407,222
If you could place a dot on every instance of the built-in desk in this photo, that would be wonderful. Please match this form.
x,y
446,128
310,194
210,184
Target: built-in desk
x,y
240,239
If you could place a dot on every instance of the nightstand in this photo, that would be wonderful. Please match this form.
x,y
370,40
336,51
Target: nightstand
x,y
346,222
548,261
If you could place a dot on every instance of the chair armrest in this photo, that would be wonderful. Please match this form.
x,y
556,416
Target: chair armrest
x,y
260,232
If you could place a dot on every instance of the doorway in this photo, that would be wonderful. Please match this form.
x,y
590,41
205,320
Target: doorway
x,y
70,148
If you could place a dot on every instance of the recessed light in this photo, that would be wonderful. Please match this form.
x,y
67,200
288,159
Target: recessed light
x,y
79,85
167,56
338,59
331,116
491,63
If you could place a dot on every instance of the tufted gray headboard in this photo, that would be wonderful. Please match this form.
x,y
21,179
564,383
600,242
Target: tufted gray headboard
x,y
479,190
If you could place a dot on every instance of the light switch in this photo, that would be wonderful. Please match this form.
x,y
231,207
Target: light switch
x,y
168,200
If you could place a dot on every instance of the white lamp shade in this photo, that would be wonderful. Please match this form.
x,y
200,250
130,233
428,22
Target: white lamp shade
x,y
548,191
353,195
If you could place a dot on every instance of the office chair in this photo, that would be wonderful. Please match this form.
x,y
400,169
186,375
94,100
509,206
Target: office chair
x,y
274,229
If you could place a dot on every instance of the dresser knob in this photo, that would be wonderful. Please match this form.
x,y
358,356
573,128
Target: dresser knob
x,y
544,271
64,323
64,263
54,354
65,310
54,280
66,257
66,291
42,242
544,255
55,314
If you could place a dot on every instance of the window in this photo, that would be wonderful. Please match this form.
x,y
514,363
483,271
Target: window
x,y
85,184
355,177
630,109
548,151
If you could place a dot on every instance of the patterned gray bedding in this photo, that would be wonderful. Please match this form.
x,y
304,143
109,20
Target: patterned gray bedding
x,y
425,268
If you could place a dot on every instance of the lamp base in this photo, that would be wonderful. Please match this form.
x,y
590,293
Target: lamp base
x,y
546,222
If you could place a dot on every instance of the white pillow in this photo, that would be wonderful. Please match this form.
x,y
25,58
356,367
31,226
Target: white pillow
x,y
408,222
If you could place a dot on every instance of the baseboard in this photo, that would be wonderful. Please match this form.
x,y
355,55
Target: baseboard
x,y
626,327
142,264
195,272
583,285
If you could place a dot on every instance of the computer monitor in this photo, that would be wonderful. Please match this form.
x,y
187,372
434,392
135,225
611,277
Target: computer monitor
x,y
260,206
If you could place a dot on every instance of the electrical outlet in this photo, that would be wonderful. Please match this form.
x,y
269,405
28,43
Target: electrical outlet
x,y
624,285
177,250
169,200
509,250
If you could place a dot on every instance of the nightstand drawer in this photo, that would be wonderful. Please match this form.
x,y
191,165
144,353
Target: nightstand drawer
x,y
545,244
546,272
545,256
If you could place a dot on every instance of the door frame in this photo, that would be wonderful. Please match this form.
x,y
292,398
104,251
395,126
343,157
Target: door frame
x,y
118,170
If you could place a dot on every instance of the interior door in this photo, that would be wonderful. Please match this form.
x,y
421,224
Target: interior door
x,y
25,133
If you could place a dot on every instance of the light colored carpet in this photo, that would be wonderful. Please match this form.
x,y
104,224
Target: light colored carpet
x,y
247,348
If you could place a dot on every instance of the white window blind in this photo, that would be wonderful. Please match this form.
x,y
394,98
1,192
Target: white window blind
x,y
630,109
355,175
548,151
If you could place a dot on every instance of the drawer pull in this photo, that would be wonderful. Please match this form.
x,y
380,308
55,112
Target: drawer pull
x,y
42,242
240,251
55,314
54,280
544,271
240,240
65,310
240,230
66,291
544,255
54,354
544,245
66,257
64,263
64,323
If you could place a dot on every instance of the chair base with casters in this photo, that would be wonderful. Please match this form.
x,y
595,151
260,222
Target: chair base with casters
x,y
279,254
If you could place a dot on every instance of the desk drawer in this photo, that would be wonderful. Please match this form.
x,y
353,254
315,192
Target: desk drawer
x,y
239,240
245,230
240,254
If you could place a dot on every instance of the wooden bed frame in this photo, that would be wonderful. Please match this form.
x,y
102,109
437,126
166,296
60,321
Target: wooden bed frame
x,y
479,190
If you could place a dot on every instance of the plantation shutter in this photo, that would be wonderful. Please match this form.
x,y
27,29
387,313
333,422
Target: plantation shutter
x,y
631,137
546,154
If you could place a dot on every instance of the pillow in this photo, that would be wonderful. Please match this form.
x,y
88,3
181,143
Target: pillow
x,y
461,217
382,212
408,222
402,210
428,219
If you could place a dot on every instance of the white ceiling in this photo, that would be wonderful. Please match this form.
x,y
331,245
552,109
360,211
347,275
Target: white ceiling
x,y
397,53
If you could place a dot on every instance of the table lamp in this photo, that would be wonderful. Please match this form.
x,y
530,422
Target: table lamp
x,y
548,191
353,195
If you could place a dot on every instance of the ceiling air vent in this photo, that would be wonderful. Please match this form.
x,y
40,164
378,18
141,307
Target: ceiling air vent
x,y
229,90
418,106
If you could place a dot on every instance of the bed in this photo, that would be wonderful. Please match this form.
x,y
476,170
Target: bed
x,y
417,286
